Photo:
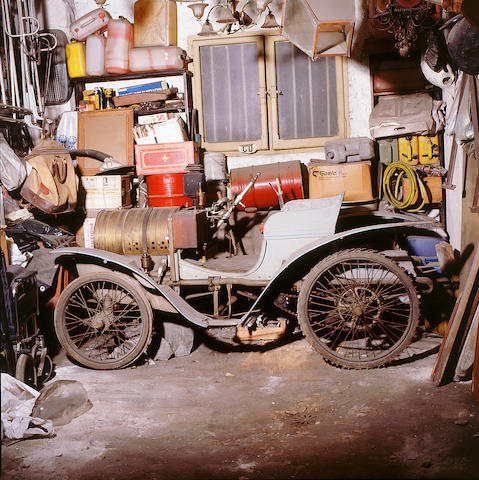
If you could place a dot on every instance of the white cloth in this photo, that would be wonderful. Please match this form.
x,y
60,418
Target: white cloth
x,y
13,170
18,400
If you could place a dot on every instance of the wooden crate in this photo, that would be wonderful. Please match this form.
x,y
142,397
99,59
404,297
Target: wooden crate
x,y
109,131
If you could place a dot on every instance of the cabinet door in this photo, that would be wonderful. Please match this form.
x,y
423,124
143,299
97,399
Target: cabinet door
x,y
306,98
230,92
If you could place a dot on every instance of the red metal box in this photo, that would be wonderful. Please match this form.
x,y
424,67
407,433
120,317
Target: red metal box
x,y
165,157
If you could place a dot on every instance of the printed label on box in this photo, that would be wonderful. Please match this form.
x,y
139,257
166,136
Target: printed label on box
x,y
88,232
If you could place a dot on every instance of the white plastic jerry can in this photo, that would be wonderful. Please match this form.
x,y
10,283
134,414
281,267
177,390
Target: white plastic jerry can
x,y
147,59
95,55
94,21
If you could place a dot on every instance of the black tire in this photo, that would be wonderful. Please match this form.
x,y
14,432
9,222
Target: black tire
x,y
26,371
358,309
47,370
103,320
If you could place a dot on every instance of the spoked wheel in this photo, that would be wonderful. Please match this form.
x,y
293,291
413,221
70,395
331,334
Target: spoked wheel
x,y
358,309
103,320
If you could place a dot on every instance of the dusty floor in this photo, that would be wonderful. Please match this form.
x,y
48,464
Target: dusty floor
x,y
280,414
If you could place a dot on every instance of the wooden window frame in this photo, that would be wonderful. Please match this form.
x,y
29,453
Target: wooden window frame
x,y
270,141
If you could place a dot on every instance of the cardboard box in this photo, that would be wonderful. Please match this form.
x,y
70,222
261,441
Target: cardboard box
x,y
165,157
354,179
88,232
173,130
107,191
154,118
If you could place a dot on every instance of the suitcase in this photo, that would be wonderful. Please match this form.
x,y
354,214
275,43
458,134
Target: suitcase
x,y
400,115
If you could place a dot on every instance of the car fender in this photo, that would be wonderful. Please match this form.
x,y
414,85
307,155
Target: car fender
x,y
305,259
113,261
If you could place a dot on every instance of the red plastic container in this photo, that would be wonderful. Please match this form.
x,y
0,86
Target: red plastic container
x,y
262,195
166,190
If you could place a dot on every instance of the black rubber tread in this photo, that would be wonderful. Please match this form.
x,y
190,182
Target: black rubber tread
x,y
138,295
368,255
47,370
26,371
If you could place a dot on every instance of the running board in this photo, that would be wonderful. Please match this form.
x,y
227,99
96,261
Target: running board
x,y
192,315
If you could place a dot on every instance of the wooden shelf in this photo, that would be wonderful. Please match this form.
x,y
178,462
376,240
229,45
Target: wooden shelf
x,y
80,82
160,110
131,76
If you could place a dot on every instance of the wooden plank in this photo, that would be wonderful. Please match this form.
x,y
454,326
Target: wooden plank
x,y
457,329
466,359
475,123
475,371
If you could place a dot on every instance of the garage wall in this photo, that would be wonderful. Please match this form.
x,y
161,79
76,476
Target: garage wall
x,y
360,96
55,16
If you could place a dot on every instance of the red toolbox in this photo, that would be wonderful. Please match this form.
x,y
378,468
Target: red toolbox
x,y
165,157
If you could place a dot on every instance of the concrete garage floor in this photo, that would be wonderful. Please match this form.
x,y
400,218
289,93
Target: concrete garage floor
x,y
279,414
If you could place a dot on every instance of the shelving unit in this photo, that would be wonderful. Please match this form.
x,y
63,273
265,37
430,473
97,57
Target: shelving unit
x,y
80,82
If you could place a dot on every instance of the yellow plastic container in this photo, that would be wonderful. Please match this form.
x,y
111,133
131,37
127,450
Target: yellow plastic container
x,y
408,149
155,23
76,60
428,149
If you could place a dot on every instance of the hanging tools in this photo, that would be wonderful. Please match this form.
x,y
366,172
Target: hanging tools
x,y
23,46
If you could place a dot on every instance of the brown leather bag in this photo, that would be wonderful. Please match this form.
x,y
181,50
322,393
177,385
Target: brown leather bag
x,y
52,185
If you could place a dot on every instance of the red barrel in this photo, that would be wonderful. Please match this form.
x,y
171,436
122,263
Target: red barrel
x,y
262,195
166,190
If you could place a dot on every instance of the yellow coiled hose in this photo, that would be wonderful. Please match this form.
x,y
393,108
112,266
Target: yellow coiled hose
x,y
396,171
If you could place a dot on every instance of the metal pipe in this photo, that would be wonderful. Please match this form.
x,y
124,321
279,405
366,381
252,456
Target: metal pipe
x,y
14,89
171,252
2,85
224,281
237,201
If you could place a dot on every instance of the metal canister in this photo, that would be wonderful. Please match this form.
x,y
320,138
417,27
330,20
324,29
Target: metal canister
x,y
129,232
109,105
276,179
166,190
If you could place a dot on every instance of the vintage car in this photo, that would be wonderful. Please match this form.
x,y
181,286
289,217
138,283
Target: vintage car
x,y
351,279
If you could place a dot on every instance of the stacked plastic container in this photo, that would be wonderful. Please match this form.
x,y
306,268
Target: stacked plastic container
x,y
118,44
147,45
